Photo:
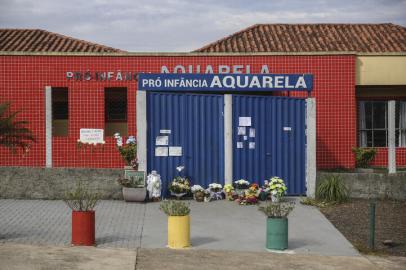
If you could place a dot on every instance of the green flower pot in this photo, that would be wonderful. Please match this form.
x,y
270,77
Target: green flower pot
x,y
277,233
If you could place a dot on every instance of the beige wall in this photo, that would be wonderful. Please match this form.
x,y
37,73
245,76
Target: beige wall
x,y
381,70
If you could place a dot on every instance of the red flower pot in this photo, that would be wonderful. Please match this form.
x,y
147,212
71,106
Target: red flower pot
x,y
83,228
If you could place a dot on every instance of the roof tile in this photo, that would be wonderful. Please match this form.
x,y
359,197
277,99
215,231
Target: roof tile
x,y
374,38
37,40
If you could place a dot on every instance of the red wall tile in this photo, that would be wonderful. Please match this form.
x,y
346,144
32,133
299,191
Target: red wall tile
x,y
23,80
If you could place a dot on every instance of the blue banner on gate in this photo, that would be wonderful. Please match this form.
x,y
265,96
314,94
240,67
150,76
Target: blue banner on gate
x,y
225,82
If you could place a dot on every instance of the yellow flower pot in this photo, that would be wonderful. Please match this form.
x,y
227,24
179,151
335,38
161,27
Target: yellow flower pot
x,y
179,231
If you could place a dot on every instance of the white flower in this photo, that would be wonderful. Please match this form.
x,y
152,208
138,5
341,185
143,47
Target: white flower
x,y
117,135
130,139
196,188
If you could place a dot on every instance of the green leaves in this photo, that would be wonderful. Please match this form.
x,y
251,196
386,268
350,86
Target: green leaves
x,y
277,209
332,189
175,208
80,198
13,133
364,156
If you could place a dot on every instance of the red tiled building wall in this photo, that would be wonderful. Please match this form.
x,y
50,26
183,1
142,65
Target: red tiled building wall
x,y
23,80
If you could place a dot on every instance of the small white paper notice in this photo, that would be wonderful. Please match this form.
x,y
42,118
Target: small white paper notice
x,y
91,135
161,140
251,145
244,121
241,130
165,131
245,138
175,151
161,151
252,132
287,129
240,145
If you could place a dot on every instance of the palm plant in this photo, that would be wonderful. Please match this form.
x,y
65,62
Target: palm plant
x,y
13,133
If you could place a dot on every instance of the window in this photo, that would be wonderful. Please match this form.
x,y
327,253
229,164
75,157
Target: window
x,y
115,114
60,111
373,123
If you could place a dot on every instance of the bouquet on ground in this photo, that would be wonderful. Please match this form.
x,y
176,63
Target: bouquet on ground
x,y
250,196
240,186
199,193
229,190
216,191
277,188
179,186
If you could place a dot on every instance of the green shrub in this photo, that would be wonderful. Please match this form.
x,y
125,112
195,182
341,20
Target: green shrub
x,y
80,198
332,189
277,209
175,208
364,156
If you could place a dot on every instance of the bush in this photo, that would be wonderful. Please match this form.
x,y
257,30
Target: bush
x,y
80,198
332,189
364,156
277,210
175,208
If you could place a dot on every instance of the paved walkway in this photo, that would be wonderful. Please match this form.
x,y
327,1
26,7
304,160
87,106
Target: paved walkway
x,y
220,225
26,257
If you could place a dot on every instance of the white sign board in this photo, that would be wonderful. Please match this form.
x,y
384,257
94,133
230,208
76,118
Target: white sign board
x,y
162,140
244,121
175,151
161,151
91,135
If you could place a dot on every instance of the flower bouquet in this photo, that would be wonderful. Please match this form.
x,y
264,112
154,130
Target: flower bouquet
x,y
240,186
179,186
128,151
250,196
228,190
264,191
277,188
216,191
198,193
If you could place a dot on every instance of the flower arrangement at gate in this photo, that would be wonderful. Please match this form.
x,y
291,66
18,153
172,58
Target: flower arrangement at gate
x,y
264,191
128,151
228,190
241,184
216,191
92,146
198,192
180,185
250,195
277,188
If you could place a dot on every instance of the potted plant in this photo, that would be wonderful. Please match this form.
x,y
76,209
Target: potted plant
x,y
198,193
363,157
82,202
134,189
277,224
178,223
240,186
277,188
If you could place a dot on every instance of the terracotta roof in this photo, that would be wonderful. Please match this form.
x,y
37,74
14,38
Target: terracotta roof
x,y
374,38
37,40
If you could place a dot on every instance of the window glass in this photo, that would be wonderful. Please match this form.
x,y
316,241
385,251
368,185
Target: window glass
x,y
115,114
60,111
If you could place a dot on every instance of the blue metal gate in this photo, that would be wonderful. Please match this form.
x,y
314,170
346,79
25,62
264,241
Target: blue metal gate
x,y
186,130
269,140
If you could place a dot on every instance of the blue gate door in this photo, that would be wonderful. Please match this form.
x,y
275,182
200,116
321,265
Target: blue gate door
x,y
269,140
186,130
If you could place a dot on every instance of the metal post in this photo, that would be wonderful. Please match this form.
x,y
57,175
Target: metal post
x,y
371,238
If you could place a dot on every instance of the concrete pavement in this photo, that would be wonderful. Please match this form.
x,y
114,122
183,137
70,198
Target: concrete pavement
x,y
26,257
220,225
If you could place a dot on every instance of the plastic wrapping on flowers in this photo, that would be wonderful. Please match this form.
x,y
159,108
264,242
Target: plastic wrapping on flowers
x,y
277,186
179,185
